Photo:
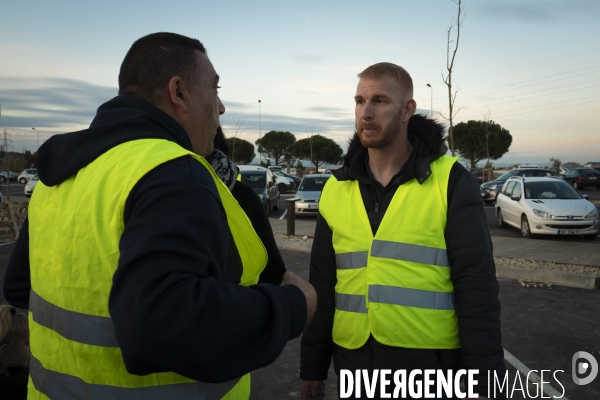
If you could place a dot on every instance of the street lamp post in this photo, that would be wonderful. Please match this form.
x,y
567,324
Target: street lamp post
x,y
259,132
431,103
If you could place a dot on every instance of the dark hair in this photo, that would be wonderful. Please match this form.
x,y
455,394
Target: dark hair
x,y
220,143
153,60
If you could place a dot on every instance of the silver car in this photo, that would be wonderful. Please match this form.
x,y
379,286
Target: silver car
x,y
309,194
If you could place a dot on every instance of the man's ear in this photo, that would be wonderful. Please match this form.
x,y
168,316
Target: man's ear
x,y
409,109
178,94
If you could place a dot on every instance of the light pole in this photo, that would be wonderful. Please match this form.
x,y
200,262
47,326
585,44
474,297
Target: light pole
x,y
431,103
38,138
259,132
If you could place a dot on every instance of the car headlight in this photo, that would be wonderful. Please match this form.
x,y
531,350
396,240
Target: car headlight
x,y
542,214
592,214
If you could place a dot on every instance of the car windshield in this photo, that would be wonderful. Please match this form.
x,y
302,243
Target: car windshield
x,y
588,171
277,172
255,180
558,190
312,184
507,175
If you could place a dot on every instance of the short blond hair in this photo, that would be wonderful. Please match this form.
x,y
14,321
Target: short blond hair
x,y
13,326
382,69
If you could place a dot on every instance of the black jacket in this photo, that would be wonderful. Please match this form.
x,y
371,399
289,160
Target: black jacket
x,y
469,250
13,384
175,302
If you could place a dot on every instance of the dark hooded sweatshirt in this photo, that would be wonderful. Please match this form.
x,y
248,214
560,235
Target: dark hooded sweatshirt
x,y
469,249
175,301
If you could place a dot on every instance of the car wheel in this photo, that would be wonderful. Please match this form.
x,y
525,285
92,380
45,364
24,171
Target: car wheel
x,y
501,222
282,188
525,229
268,207
276,207
23,181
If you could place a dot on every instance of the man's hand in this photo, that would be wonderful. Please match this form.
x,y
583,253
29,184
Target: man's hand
x,y
309,294
313,390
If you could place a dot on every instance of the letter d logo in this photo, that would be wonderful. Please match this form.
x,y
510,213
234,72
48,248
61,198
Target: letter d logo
x,y
584,367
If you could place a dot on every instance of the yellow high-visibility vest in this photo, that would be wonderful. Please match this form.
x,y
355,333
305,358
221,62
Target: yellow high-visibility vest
x,y
396,285
74,234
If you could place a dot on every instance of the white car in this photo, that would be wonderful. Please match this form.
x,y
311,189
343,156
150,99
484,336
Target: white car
x,y
309,194
546,206
29,186
283,184
26,175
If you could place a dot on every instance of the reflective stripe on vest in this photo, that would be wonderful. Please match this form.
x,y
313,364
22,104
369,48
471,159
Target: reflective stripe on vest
x,y
396,285
74,231
53,385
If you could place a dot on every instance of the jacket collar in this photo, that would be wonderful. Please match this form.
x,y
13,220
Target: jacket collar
x,y
427,138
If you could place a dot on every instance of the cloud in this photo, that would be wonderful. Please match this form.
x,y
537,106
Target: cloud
x,y
50,102
537,11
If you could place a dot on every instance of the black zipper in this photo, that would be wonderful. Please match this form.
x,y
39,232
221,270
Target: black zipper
x,y
376,214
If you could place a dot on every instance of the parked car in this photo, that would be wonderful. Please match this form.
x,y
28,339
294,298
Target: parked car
x,y
527,166
26,175
545,206
592,164
478,173
276,168
309,194
29,186
294,178
580,178
490,190
283,184
264,184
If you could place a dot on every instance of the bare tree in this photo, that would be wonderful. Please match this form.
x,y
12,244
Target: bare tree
x,y
237,131
449,66
485,117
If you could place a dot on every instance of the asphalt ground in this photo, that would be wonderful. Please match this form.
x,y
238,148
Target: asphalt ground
x,y
541,327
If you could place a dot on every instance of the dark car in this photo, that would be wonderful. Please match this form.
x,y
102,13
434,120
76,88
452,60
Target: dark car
x,y
592,164
478,173
490,190
265,186
582,177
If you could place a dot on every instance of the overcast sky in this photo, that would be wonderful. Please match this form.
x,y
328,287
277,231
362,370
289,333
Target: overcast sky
x,y
535,65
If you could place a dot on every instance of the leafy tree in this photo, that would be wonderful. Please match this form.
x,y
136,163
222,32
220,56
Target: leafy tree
x,y
556,163
571,164
242,151
478,140
318,150
276,145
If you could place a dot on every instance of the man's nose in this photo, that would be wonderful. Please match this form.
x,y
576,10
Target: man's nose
x,y
365,112
221,108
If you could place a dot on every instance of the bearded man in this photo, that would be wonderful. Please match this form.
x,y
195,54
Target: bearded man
x,y
402,257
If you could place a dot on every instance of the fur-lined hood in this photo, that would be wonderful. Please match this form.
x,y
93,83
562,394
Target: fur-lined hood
x,y
427,137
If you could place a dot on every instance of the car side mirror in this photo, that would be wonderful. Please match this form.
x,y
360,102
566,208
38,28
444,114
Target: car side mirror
x,y
271,184
586,196
515,198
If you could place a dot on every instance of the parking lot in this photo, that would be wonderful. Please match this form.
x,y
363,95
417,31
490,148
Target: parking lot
x,y
495,230
542,327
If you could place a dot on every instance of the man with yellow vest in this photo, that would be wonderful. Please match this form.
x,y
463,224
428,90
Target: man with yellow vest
x,y
138,266
402,257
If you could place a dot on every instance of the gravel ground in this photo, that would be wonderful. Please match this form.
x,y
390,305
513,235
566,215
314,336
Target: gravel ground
x,y
510,262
